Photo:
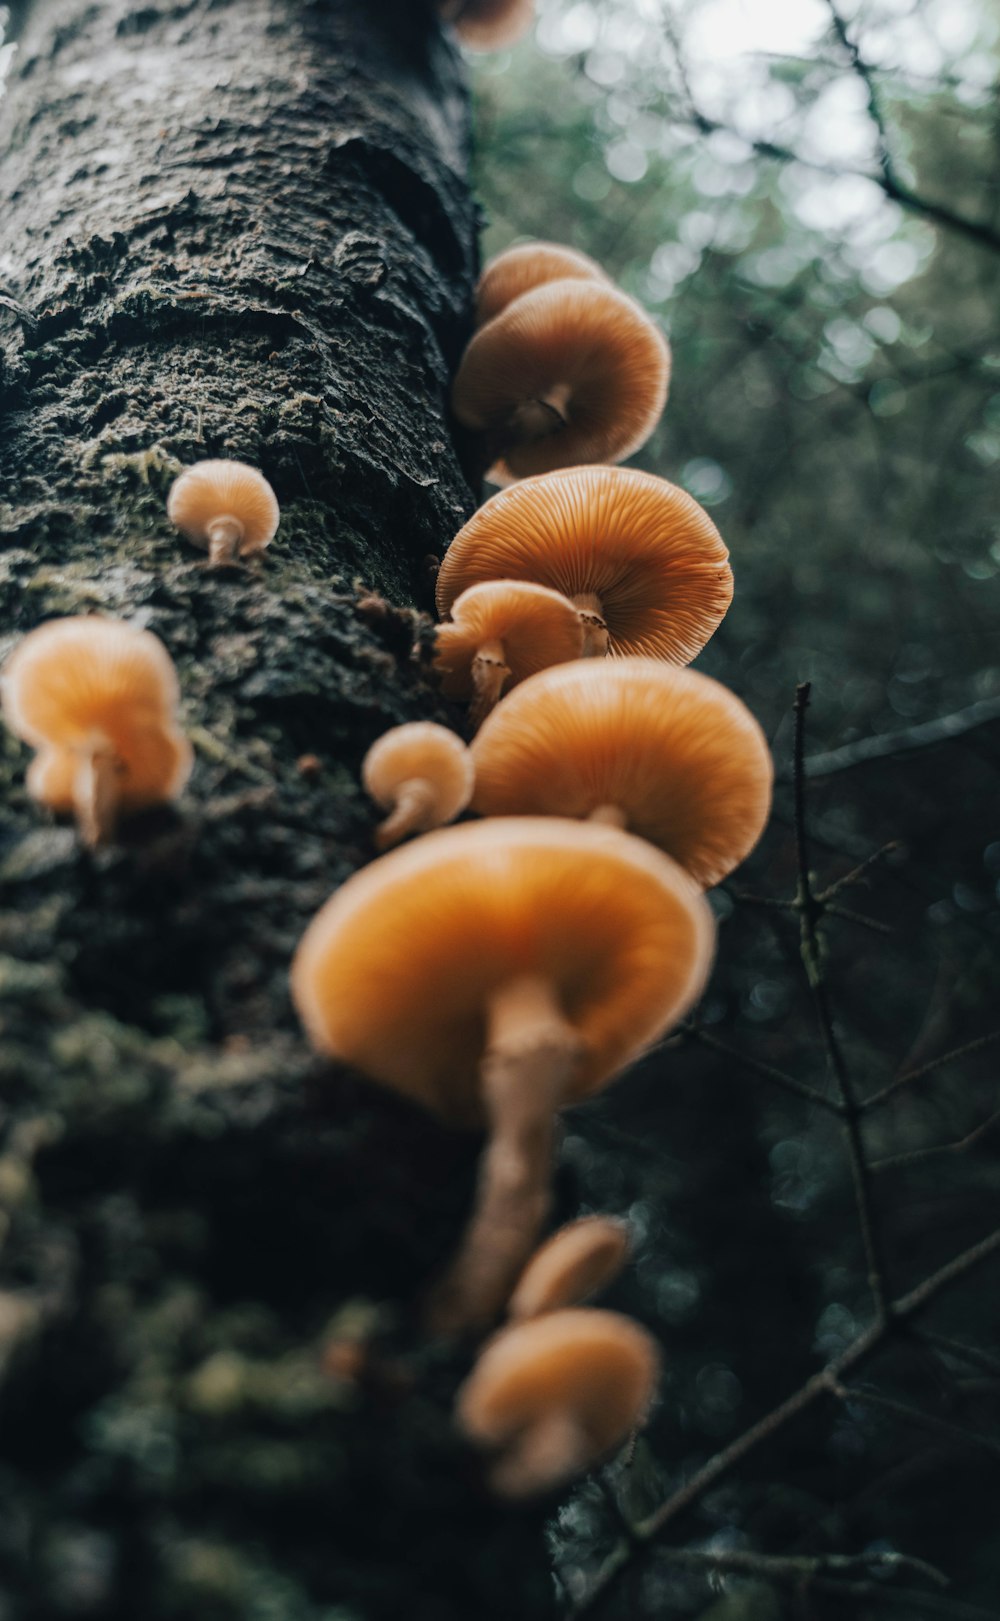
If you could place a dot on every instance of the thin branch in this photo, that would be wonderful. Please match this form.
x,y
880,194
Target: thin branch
x,y
858,874
943,729
959,1351
878,1098
913,1415
801,1570
917,1156
816,1387
767,1072
812,960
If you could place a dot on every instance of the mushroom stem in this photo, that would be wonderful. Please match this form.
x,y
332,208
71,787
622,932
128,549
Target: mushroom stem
x,y
595,630
413,812
224,536
531,1054
95,797
610,815
545,1455
489,672
537,418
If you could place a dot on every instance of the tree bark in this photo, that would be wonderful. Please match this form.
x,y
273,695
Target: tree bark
x,y
229,229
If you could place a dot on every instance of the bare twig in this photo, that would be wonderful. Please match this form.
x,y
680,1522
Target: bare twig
x,y
943,729
968,1047
810,912
955,1433
819,1385
917,1156
767,1072
801,1570
959,1350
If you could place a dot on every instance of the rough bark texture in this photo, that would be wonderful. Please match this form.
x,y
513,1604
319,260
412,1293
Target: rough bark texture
x,y
229,229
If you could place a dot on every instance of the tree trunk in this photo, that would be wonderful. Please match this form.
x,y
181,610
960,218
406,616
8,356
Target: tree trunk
x,y
229,229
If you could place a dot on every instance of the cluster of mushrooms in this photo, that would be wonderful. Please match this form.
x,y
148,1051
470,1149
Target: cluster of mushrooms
x,y
567,930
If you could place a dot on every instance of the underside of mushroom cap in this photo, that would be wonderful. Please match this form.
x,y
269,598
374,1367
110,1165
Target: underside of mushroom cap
x,y
677,752
597,1366
150,767
583,360
395,973
573,1264
212,490
73,678
538,627
643,546
489,25
529,264
420,750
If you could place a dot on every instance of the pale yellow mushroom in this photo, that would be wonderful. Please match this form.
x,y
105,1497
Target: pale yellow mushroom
x,y
226,508
422,774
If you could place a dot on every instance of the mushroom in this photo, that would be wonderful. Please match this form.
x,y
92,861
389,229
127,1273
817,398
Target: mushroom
x,y
495,972
488,25
554,1396
499,633
573,371
422,774
638,556
668,753
227,508
576,1262
97,699
530,264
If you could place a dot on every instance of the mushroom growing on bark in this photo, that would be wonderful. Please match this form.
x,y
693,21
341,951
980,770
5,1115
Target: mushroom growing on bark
x,y
495,973
97,698
488,25
530,264
554,1396
573,371
575,1263
499,633
422,774
227,508
638,556
667,753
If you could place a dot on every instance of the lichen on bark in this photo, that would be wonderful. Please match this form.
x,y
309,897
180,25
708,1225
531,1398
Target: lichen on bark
x,y
230,229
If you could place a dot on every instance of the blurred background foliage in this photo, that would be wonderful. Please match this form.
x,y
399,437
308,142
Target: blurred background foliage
x,y
806,197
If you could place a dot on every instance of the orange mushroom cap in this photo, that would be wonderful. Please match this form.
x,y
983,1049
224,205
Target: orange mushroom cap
x,y
640,549
676,752
489,25
529,264
515,628
225,507
557,1394
422,773
97,690
571,372
577,1261
396,973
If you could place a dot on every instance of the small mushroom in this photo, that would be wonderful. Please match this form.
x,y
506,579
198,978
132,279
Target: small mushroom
x,y
488,25
226,508
553,1396
571,372
667,753
575,1263
495,972
638,556
97,698
422,774
500,632
530,264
